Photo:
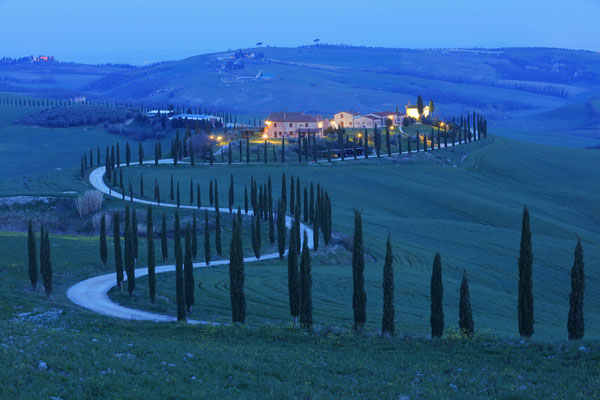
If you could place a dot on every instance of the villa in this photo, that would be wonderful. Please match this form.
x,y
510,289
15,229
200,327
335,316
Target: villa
x,y
344,119
412,111
284,124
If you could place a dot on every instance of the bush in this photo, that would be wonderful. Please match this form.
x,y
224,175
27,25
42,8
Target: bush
x,y
408,121
89,202
78,115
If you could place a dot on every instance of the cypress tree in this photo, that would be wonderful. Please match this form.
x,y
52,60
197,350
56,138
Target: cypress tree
x,y
283,150
465,315
437,296
179,283
575,322
33,275
206,239
293,279
246,199
178,198
129,263
211,198
117,245
387,322
359,296
292,196
141,153
217,229
127,154
271,227
46,264
306,319
296,226
316,233
311,206
388,142
305,204
194,237
253,237
103,246
283,192
229,156
163,239
281,230
189,271
151,261
236,274
135,236
525,304
298,196
191,192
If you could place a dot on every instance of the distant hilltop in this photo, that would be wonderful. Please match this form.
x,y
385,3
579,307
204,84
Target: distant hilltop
x,y
323,79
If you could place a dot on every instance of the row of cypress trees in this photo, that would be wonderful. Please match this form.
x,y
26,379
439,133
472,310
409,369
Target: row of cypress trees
x,y
45,258
575,321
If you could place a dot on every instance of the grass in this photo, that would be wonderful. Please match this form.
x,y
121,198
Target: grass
x,y
467,210
90,356
464,202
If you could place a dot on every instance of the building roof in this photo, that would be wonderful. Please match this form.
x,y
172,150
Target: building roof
x,y
353,113
414,106
291,117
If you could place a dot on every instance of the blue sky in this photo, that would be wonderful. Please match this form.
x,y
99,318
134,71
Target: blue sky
x,y
136,31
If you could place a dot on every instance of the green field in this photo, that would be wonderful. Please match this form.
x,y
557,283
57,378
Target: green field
x,y
464,202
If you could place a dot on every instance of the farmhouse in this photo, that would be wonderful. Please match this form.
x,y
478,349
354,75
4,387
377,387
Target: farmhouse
x,y
345,119
367,121
412,111
284,124
394,116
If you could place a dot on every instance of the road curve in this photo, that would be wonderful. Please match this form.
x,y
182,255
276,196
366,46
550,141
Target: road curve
x,y
92,293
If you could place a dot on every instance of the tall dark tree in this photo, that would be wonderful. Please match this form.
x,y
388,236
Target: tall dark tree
x,y
164,247
140,153
316,233
172,190
117,245
293,278
281,229
420,106
211,197
129,257
465,315
254,226
33,273
151,261
292,196
387,322
127,154
246,199
198,196
437,297
188,267
575,322
178,197
305,204
236,274
217,222
179,283
306,319
103,245
283,191
359,296
525,303
311,206
206,239
135,235
194,236
46,264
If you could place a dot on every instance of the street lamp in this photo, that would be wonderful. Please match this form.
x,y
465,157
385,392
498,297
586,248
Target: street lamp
x,y
264,136
219,138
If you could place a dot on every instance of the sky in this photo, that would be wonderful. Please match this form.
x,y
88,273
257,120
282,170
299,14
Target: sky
x,y
137,32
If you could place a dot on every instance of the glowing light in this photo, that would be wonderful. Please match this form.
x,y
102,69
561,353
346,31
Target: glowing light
x,y
390,117
264,136
320,125
267,123
360,135
442,124
219,138
212,137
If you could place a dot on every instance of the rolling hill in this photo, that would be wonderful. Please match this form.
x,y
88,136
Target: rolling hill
x,y
325,79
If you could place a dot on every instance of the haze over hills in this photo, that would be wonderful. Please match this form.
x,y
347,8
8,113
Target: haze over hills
x,y
502,83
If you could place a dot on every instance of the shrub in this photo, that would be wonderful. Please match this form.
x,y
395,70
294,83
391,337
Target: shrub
x,y
89,202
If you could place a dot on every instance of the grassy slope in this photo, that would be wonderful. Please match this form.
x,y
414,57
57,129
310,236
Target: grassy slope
x,y
89,356
38,160
470,213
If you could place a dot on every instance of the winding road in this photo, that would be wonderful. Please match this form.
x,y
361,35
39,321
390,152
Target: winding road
x,y
92,293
